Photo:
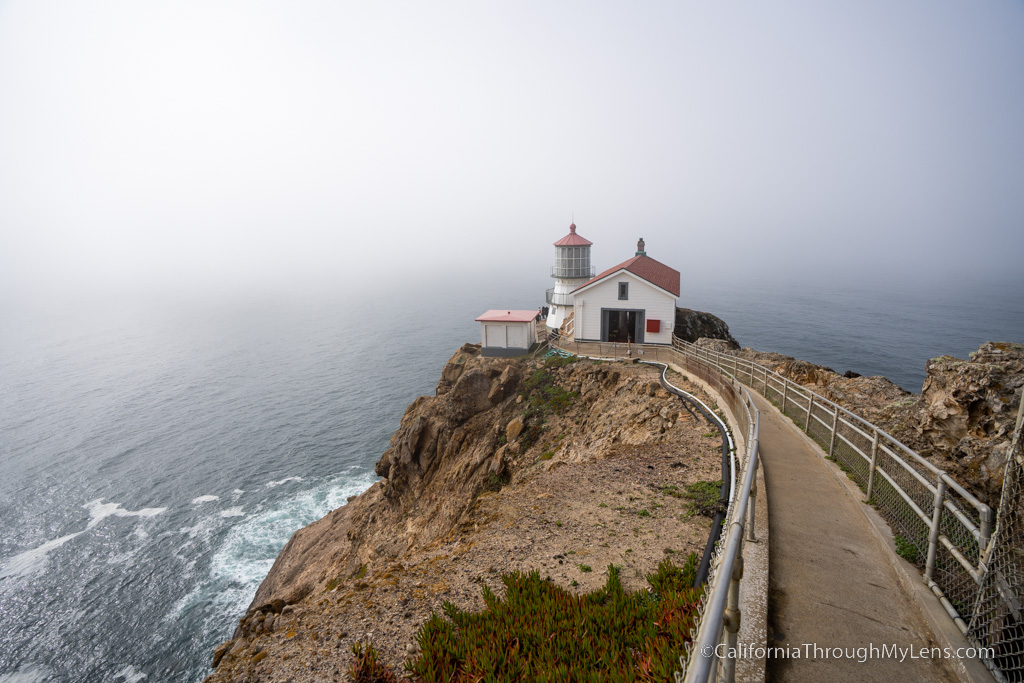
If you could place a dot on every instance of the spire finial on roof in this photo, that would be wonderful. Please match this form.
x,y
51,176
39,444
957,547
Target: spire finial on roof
x,y
640,247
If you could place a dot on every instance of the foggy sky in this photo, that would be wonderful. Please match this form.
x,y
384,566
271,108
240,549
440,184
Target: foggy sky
x,y
224,144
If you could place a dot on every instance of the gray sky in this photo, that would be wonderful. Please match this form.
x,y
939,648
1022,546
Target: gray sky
x,y
231,143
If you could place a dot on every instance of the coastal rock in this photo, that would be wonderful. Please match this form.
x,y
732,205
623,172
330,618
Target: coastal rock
x,y
514,429
966,414
220,651
691,325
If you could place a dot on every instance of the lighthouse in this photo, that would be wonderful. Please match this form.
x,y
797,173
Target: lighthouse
x,y
571,270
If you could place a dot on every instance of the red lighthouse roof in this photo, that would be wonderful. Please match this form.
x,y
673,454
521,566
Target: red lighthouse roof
x,y
572,239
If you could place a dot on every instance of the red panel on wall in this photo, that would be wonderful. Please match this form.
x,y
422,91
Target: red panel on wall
x,y
654,326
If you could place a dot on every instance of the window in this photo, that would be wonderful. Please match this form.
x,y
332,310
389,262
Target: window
x,y
623,291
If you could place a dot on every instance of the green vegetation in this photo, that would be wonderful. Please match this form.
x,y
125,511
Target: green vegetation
x,y
585,568
704,498
544,397
366,669
496,481
643,513
906,549
539,631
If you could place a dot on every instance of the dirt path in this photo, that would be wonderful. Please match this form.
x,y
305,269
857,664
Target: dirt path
x,y
831,582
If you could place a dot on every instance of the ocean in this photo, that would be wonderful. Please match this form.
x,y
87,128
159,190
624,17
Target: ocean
x,y
156,456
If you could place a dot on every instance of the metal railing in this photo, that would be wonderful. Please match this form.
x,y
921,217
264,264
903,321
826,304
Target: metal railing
x,y
562,299
573,272
718,613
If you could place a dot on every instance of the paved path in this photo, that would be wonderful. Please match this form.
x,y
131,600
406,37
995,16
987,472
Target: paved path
x,y
831,581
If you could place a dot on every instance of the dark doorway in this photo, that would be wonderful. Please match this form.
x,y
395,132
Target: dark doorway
x,y
622,326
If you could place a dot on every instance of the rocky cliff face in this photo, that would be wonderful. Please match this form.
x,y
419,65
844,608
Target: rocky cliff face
x,y
513,464
965,415
692,325
962,420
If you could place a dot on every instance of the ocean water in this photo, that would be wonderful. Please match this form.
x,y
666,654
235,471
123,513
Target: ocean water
x,y
155,457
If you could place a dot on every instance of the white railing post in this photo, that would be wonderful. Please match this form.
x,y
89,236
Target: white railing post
x,y
933,536
750,511
731,621
874,464
810,409
835,427
785,394
766,384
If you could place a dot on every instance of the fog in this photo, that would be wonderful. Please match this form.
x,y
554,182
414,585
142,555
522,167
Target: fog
x,y
213,146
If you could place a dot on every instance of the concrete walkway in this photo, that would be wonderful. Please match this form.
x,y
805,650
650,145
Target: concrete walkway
x,y
831,581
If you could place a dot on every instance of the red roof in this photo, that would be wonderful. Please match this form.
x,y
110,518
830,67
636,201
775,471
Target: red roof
x,y
572,239
645,268
507,316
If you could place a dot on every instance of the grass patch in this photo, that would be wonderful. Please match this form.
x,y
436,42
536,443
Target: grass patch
x,y
539,631
906,549
704,498
585,568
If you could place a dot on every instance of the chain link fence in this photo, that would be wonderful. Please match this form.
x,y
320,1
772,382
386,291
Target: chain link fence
x,y
996,613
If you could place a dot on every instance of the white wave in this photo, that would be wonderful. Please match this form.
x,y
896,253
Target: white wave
x,y
272,484
33,674
129,674
34,560
204,499
237,492
232,512
252,544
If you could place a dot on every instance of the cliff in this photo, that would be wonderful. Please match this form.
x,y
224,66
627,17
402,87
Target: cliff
x,y
514,464
691,325
962,420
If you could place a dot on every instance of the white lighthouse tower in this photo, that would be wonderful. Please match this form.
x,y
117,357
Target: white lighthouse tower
x,y
571,270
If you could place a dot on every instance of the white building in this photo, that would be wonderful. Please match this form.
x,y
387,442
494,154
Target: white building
x,y
508,333
633,302
572,268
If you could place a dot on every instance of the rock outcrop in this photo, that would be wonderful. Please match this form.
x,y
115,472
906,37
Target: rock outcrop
x,y
965,415
503,449
692,325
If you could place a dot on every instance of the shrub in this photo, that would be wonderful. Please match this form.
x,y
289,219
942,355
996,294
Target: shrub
x,y
366,669
542,632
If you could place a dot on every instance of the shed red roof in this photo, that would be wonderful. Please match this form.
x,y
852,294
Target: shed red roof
x,y
507,316
645,268
572,239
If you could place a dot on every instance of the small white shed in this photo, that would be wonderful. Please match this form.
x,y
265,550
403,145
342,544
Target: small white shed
x,y
507,332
